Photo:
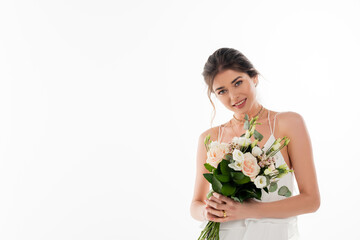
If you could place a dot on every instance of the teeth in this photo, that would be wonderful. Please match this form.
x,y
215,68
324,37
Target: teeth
x,y
240,103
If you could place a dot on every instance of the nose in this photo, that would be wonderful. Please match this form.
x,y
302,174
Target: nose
x,y
233,96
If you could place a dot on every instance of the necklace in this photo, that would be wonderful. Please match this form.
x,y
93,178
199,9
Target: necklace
x,y
242,121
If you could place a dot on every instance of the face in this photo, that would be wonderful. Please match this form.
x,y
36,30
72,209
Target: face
x,y
232,87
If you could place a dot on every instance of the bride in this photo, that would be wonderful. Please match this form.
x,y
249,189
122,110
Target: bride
x,y
231,77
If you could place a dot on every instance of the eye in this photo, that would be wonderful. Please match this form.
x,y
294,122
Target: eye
x,y
238,82
220,92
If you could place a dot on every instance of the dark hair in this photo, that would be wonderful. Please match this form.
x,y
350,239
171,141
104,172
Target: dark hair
x,y
223,59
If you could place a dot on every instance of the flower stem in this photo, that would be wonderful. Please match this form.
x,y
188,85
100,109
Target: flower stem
x,y
211,231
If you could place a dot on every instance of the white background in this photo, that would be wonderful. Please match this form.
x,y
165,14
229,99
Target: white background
x,y
102,103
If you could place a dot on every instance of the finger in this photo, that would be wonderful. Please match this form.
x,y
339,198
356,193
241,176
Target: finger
x,y
217,205
217,219
211,217
215,199
215,212
221,197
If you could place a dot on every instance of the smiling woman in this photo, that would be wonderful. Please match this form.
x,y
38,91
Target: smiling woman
x,y
232,78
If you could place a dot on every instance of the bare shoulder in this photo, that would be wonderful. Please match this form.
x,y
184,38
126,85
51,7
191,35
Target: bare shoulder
x,y
289,119
213,132
292,124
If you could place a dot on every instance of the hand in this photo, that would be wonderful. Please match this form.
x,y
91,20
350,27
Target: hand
x,y
217,204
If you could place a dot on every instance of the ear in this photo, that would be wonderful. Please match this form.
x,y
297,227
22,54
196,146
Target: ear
x,y
255,80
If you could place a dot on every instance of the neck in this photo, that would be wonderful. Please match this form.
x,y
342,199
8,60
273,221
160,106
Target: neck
x,y
251,113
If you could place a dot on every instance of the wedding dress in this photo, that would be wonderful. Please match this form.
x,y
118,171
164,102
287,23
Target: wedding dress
x,y
264,228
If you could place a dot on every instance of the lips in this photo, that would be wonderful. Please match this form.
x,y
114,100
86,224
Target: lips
x,y
239,102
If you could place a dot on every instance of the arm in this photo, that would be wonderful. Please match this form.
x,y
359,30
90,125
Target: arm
x,y
201,185
301,156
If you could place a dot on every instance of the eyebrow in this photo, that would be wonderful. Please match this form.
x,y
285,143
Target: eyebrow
x,y
231,83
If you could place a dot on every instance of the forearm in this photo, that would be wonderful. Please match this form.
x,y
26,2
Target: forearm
x,y
197,210
292,206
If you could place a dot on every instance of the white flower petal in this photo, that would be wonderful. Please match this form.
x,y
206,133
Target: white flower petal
x,y
260,181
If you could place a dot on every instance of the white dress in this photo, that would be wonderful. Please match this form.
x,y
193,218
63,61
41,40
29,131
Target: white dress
x,y
264,228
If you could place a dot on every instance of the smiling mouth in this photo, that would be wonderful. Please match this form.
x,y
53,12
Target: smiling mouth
x,y
239,103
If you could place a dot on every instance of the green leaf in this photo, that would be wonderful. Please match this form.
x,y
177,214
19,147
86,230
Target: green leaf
x,y
266,189
273,187
258,135
210,193
267,180
243,195
239,177
228,189
235,199
246,117
206,142
284,191
252,193
209,167
222,178
216,185
228,156
208,176
258,193
207,139
225,169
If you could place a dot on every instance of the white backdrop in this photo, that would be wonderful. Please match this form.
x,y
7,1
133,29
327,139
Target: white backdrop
x,y
102,103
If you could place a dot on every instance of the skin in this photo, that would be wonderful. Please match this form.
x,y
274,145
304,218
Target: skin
x,y
297,154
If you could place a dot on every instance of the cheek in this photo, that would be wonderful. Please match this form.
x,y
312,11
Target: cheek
x,y
224,100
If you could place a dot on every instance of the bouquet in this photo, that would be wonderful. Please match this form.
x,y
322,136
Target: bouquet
x,y
240,170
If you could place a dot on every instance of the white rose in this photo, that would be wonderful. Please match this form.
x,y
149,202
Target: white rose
x,y
256,151
260,181
241,141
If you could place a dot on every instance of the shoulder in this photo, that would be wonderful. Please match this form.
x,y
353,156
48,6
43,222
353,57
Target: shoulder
x,y
213,132
290,121
289,118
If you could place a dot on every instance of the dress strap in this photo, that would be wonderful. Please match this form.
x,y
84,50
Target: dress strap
x,y
221,131
272,130
275,120
269,122
219,136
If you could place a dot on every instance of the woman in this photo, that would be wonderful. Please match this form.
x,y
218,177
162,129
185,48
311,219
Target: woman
x,y
233,79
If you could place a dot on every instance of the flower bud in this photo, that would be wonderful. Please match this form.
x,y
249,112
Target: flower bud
x,y
253,144
252,130
276,146
256,151
267,171
247,134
